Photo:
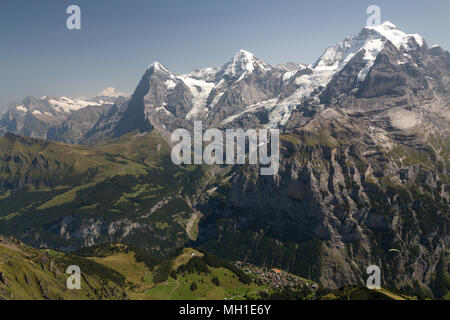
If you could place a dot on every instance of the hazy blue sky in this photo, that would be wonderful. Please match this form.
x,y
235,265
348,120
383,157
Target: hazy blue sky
x,y
120,38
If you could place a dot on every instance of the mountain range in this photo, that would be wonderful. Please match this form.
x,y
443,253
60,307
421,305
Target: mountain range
x,y
247,92
364,164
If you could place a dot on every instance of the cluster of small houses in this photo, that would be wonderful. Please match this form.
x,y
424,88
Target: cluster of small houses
x,y
273,277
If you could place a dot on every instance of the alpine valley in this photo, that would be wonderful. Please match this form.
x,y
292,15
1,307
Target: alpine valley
x,y
364,168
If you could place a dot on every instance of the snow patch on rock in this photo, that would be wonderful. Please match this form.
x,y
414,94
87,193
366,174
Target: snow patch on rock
x,y
200,90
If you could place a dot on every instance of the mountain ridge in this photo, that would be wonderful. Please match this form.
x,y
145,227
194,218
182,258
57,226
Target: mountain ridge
x,y
244,92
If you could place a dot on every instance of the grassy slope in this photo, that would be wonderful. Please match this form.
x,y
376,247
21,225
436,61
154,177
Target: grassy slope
x,y
31,274
362,293
61,170
391,294
27,273
172,289
125,264
180,289
52,164
43,181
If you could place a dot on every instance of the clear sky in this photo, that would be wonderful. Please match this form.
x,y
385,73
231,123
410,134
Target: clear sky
x,y
120,38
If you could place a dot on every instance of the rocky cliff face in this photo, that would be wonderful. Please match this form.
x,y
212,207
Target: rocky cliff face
x,y
338,185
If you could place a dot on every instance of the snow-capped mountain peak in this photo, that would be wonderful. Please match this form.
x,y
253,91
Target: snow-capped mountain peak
x,y
244,62
157,66
371,40
67,105
244,55
337,56
397,37
50,106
